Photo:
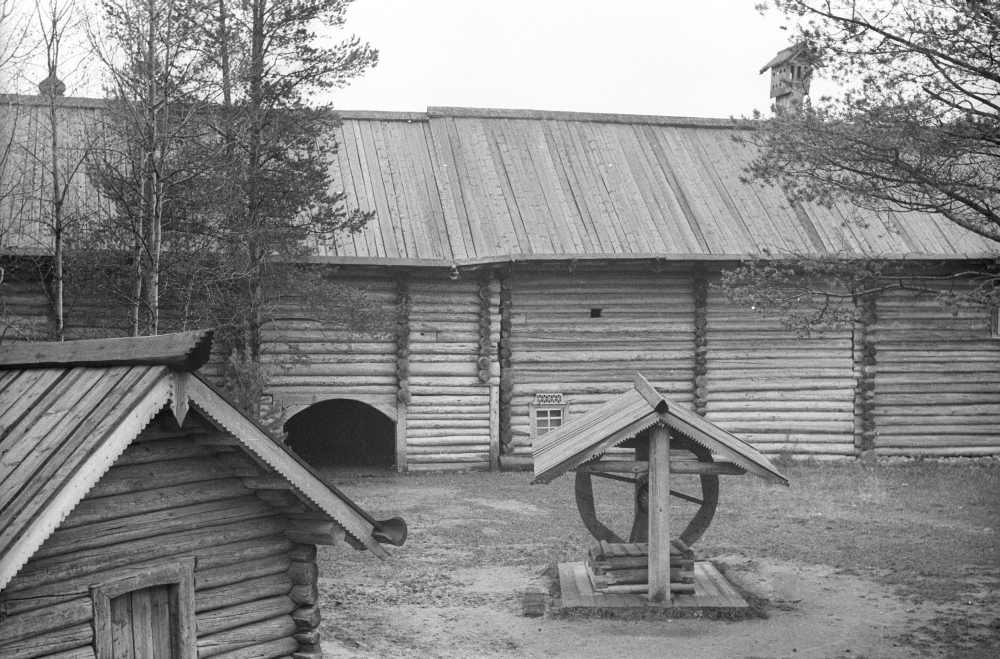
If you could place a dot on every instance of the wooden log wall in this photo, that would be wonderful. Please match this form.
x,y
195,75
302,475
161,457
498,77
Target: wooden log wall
x,y
25,312
169,497
646,324
452,348
779,391
311,359
937,382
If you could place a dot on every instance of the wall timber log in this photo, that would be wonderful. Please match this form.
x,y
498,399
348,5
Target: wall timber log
x,y
937,378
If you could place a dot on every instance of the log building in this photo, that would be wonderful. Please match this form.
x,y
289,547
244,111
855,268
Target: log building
x,y
532,262
142,515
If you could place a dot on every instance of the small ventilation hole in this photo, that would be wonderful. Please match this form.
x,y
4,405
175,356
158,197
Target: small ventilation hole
x,y
595,312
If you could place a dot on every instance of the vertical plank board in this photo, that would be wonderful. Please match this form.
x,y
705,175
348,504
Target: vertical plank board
x,y
456,218
163,620
142,621
587,196
121,628
494,424
659,515
500,153
554,205
577,213
401,427
363,189
376,177
425,191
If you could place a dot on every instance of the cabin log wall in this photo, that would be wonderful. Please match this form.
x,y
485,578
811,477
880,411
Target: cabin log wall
x,y
777,390
910,378
452,373
937,382
343,354
646,324
167,498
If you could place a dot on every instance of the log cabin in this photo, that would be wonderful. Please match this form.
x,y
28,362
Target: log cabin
x,y
532,261
142,515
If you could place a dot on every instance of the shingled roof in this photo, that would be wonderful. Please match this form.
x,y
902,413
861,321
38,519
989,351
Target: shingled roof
x,y
64,422
463,186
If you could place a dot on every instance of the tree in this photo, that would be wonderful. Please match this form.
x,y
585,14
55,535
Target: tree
x,y
39,141
915,128
276,147
150,158
918,124
15,46
55,20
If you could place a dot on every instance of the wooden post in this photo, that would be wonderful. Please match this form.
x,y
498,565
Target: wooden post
x,y
865,366
659,515
403,303
700,285
506,373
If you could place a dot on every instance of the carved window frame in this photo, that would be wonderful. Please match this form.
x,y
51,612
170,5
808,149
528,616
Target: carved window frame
x,y
178,574
536,408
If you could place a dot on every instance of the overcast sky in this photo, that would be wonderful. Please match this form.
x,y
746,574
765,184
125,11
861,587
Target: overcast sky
x,y
668,57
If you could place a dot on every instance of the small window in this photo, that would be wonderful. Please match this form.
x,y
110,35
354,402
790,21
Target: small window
x,y
547,412
149,613
995,322
546,419
595,312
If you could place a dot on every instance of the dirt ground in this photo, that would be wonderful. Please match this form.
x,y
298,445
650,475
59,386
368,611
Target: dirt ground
x,y
894,559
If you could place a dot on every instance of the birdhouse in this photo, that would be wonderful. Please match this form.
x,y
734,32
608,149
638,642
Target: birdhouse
x,y
791,73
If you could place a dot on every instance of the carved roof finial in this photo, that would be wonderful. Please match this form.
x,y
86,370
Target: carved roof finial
x,y
52,86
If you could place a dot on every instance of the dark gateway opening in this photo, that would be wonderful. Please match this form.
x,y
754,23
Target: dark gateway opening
x,y
343,433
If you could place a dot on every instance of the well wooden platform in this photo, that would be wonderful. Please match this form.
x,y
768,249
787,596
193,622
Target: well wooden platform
x,y
711,592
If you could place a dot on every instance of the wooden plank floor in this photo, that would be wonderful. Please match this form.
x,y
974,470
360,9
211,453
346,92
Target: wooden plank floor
x,y
711,591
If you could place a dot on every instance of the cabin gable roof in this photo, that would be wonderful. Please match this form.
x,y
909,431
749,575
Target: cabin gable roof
x,y
63,426
589,436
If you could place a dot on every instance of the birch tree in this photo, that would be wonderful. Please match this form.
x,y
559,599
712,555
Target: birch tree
x,y
148,50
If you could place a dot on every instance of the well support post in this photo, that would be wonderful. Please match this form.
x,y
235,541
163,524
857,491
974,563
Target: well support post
x,y
659,515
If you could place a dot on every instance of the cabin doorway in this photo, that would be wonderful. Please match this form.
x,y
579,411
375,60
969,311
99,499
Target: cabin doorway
x,y
343,433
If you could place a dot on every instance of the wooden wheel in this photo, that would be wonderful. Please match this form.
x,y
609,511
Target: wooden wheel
x,y
695,528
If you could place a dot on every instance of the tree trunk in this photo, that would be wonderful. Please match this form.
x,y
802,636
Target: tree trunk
x,y
57,212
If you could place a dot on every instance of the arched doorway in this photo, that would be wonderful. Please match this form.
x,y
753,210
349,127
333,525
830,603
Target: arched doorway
x,y
343,432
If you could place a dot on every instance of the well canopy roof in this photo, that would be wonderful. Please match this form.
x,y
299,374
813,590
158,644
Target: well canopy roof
x,y
63,425
625,416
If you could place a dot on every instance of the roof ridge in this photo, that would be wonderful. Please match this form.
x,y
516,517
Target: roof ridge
x,y
61,101
565,115
458,112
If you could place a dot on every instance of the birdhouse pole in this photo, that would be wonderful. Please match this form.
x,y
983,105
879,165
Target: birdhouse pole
x,y
659,515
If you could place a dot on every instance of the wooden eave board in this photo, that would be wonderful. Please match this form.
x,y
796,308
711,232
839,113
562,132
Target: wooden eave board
x,y
306,483
182,351
85,430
